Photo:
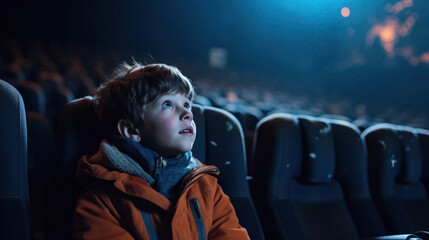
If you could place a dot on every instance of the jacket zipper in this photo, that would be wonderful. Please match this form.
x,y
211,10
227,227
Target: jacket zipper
x,y
196,211
158,162
158,166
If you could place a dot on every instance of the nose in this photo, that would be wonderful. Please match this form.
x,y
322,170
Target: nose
x,y
187,115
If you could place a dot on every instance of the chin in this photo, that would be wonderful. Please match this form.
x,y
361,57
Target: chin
x,y
186,150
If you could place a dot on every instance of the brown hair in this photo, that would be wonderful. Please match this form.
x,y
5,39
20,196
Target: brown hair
x,y
132,87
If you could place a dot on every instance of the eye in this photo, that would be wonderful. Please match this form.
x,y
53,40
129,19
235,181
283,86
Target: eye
x,y
167,105
188,106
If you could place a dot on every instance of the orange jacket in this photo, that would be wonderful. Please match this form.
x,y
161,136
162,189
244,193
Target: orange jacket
x,y
115,205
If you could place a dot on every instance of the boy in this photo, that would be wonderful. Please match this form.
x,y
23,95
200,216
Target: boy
x,y
143,183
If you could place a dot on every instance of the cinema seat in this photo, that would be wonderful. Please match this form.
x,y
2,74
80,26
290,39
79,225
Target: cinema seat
x,y
14,205
78,133
351,171
299,174
220,142
395,166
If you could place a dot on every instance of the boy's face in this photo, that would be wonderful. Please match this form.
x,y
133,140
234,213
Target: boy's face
x,y
169,128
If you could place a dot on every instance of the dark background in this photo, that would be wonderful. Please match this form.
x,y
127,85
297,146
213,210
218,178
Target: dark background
x,y
306,44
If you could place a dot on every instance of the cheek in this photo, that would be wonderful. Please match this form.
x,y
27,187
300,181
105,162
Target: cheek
x,y
167,129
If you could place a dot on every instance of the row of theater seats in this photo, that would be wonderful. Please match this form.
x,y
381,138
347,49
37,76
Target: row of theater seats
x,y
315,178
307,178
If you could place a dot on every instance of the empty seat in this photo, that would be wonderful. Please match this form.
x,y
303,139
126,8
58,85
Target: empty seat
x,y
395,176
352,174
248,117
220,142
299,174
78,133
14,206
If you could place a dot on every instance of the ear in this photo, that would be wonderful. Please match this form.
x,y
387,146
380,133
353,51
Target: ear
x,y
127,131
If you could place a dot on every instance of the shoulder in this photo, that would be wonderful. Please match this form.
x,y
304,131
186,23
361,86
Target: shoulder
x,y
98,191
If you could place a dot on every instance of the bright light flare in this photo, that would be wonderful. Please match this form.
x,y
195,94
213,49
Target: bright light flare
x,y
345,12
393,28
387,33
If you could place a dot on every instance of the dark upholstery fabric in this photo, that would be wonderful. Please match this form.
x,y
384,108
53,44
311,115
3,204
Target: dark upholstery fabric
x,y
395,173
40,167
312,216
33,96
57,96
411,169
14,206
78,133
299,170
351,172
423,136
319,155
276,160
220,142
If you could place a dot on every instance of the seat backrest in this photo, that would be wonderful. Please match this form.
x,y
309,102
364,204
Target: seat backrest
x,y
219,141
14,206
78,133
395,176
33,96
80,85
248,117
296,191
57,96
40,134
352,173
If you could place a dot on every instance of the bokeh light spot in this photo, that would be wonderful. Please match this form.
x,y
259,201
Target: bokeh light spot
x,y
345,12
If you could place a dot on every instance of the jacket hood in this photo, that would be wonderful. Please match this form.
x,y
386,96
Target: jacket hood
x,y
111,158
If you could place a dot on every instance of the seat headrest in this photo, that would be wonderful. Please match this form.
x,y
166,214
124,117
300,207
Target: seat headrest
x,y
318,162
278,140
400,149
384,153
79,131
33,96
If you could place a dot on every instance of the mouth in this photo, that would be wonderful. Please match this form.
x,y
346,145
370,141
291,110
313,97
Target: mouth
x,y
187,131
